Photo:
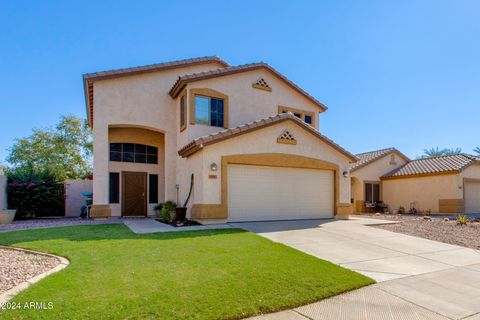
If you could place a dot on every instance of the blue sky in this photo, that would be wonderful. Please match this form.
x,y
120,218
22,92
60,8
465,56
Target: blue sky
x,y
393,73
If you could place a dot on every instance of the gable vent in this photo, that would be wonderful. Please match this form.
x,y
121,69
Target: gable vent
x,y
262,85
286,137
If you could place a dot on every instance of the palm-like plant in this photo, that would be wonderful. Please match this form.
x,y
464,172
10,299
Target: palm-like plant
x,y
477,150
437,152
448,152
433,152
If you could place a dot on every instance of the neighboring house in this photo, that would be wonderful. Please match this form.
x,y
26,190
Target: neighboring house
x,y
446,184
366,175
248,135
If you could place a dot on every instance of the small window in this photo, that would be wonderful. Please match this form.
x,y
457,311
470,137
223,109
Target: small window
x,y
131,152
308,119
114,187
153,188
209,111
372,192
306,116
183,114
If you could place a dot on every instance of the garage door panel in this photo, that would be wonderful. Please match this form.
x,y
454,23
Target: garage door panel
x,y
472,197
258,193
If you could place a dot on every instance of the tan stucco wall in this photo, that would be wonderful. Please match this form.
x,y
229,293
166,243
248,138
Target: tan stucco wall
x,y
247,104
425,192
141,101
73,197
472,172
208,191
372,172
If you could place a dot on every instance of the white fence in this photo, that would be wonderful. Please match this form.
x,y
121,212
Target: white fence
x,y
73,197
3,192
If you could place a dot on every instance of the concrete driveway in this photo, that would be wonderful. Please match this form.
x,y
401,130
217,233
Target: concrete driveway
x,y
417,278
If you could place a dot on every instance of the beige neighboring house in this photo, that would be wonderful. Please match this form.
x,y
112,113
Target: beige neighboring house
x,y
250,137
446,184
366,175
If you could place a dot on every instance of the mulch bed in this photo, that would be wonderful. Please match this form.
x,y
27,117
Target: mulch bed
x,y
19,266
435,229
186,223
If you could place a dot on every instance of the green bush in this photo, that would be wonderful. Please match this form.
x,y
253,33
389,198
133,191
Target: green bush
x,y
34,193
168,209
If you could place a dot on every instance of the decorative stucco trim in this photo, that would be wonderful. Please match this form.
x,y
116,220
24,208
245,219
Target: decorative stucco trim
x,y
262,85
7,295
220,211
207,93
287,138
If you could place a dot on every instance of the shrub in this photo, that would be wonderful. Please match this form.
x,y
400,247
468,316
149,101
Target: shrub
x,y
401,210
167,209
462,220
34,193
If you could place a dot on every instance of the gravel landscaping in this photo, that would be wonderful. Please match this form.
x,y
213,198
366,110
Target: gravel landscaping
x,y
54,222
434,229
18,266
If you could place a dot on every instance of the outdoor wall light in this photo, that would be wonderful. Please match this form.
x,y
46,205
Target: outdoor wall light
x,y
213,166
345,174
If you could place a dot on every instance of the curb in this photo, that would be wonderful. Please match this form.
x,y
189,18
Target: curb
x,y
10,293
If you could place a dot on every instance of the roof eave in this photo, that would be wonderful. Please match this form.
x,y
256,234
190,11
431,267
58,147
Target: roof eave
x,y
420,175
181,83
87,100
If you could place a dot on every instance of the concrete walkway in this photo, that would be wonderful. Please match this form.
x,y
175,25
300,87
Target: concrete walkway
x,y
417,278
150,225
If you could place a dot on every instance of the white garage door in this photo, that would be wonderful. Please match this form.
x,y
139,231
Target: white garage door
x,y
257,193
472,197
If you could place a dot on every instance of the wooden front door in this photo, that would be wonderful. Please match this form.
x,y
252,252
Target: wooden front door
x,y
134,201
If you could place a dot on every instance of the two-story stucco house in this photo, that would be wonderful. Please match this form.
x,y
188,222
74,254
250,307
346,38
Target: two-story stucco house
x,y
250,137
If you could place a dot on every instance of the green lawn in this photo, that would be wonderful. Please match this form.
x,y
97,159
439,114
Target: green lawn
x,y
116,274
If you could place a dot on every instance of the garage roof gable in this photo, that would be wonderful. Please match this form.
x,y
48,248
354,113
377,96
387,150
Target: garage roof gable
x,y
201,142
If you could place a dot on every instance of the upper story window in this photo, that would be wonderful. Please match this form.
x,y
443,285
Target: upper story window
x,y
209,111
306,116
183,114
133,152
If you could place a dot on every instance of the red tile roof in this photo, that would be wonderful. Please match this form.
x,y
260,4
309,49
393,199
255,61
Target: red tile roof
x,y
369,157
434,165
201,142
183,80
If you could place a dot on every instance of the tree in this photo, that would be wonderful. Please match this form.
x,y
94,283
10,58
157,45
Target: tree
x,y
65,150
477,150
437,152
